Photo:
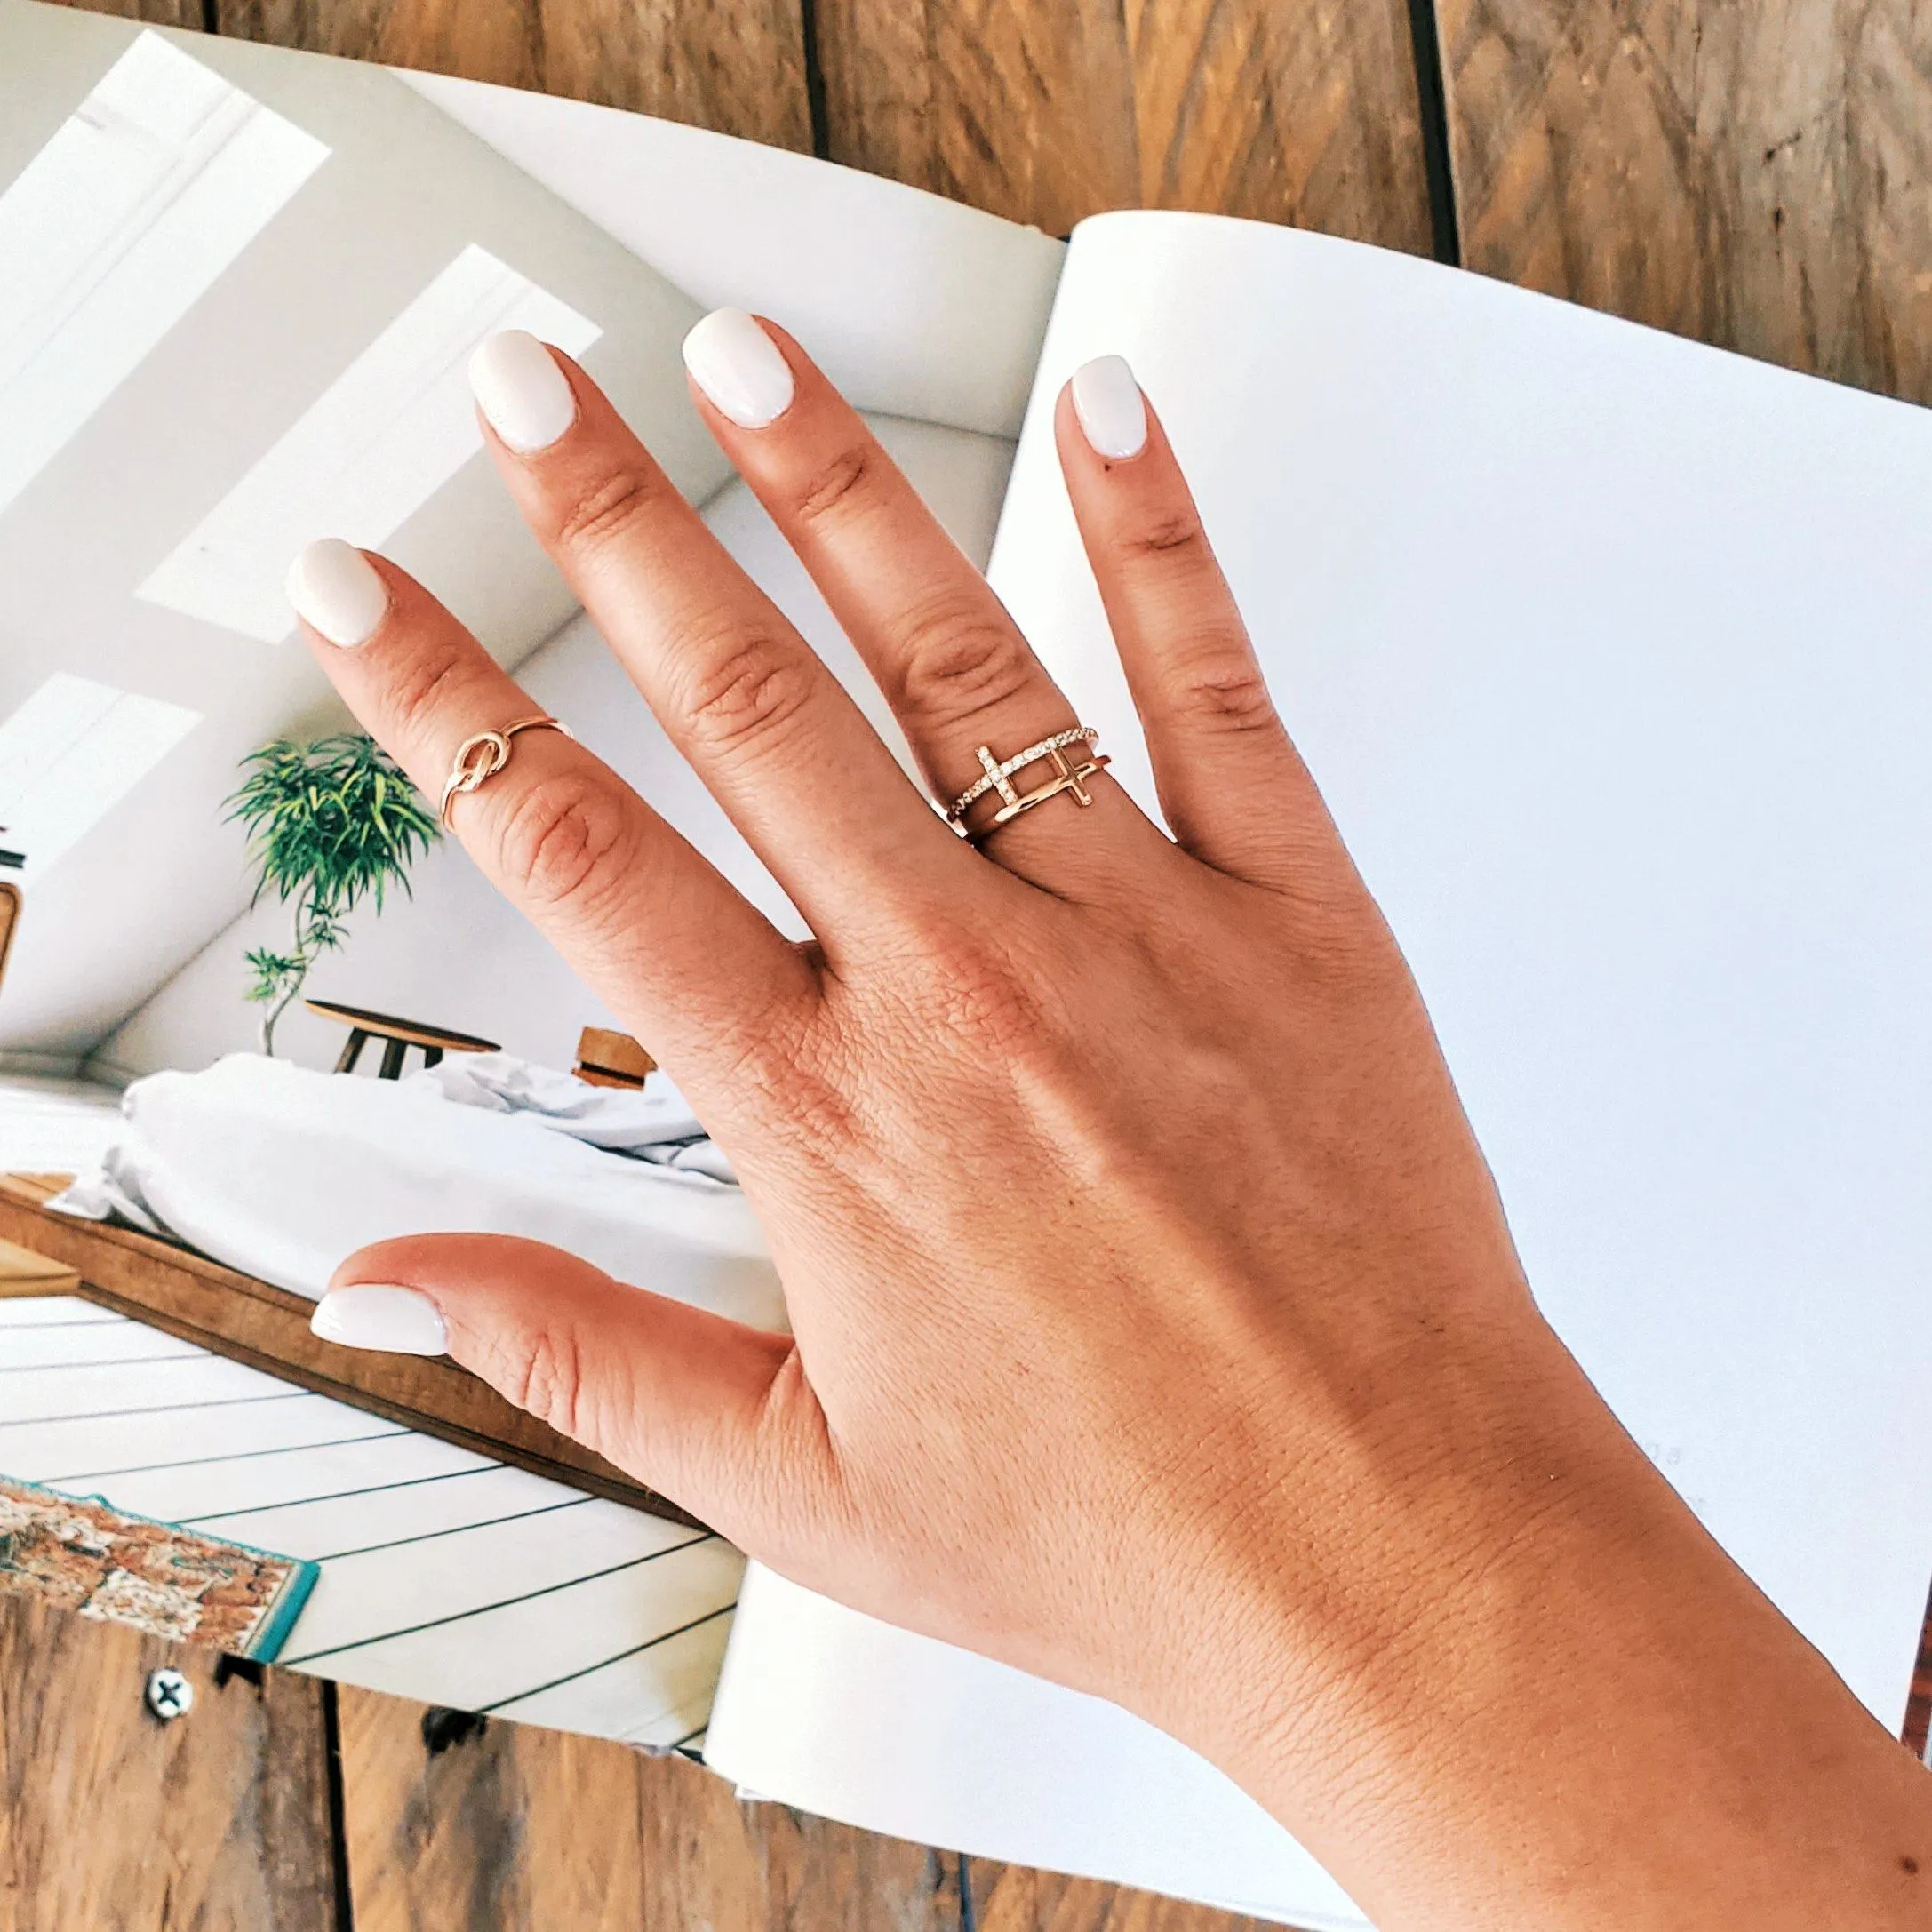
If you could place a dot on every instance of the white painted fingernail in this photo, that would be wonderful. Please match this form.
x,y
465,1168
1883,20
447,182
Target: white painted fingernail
x,y
396,1320
519,388
337,590
739,368
1108,401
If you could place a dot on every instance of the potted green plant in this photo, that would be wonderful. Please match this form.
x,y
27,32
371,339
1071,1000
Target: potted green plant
x,y
329,824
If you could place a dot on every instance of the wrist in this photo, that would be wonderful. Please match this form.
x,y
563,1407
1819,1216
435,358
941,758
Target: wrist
x,y
1522,1587
1400,1542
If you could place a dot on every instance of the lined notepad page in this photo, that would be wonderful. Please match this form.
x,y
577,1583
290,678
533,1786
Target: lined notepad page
x,y
445,1576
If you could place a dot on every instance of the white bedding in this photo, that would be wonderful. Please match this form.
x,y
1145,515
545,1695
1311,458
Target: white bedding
x,y
654,1124
281,1172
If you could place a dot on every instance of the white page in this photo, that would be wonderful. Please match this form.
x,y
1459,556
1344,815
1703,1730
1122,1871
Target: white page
x,y
915,306
1607,651
840,1715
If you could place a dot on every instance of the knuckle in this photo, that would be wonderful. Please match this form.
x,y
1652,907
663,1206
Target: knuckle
x,y
840,483
775,1071
1171,538
962,660
608,508
983,1000
424,685
1221,689
565,840
746,692
817,1110
542,1374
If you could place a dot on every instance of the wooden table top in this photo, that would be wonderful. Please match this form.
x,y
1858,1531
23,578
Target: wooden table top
x,y
1751,175
414,1033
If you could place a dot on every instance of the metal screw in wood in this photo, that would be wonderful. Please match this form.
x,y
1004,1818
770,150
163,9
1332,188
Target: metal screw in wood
x,y
169,1695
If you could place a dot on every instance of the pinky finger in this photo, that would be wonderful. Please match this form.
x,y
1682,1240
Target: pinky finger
x,y
1232,787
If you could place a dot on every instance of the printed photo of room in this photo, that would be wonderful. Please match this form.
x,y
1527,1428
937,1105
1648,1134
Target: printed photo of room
x,y
255,1009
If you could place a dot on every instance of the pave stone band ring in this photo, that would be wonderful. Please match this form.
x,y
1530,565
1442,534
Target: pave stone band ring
x,y
480,758
996,775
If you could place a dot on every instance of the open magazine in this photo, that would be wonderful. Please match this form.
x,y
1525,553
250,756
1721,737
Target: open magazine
x,y
1606,648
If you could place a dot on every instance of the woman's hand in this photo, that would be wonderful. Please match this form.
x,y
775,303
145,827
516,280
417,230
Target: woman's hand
x,y
1156,1326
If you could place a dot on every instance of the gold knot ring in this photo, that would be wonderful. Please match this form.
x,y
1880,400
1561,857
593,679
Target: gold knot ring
x,y
996,775
480,758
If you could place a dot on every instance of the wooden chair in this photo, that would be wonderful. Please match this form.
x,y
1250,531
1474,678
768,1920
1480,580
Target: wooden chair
x,y
9,921
610,1059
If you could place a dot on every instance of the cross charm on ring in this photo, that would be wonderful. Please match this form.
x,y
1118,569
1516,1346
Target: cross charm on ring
x,y
1068,779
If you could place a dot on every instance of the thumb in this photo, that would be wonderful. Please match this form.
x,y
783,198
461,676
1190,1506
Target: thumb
x,y
695,1406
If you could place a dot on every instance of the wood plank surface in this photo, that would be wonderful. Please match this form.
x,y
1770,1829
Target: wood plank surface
x,y
110,1818
1303,111
448,1823
186,1294
466,1824
1010,1898
154,13
1757,176
737,66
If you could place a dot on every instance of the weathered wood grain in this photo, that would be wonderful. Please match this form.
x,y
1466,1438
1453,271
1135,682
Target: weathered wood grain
x,y
110,1818
1010,1898
1303,111
812,1872
155,13
462,1824
737,66
1756,176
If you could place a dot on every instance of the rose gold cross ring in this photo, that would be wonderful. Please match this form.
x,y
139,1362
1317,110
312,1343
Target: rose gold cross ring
x,y
996,775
